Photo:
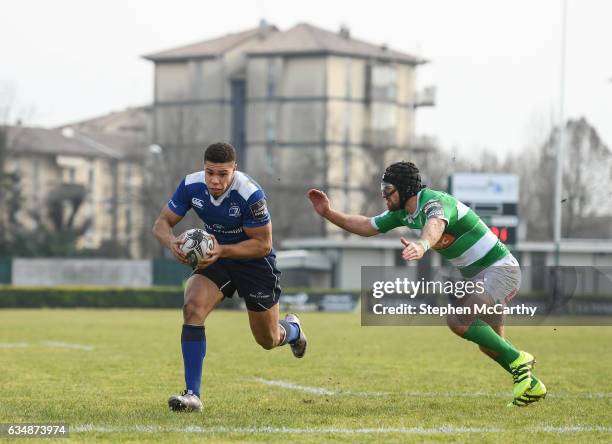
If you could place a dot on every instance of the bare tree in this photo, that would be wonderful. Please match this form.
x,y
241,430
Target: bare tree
x,y
176,151
10,197
286,184
587,168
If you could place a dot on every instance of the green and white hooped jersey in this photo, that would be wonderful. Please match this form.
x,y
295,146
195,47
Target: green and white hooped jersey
x,y
466,242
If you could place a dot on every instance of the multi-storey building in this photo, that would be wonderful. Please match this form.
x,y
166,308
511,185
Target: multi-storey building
x,y
87,176
304,107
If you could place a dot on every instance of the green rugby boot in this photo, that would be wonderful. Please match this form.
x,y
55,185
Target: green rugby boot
x,y
534,394
521,373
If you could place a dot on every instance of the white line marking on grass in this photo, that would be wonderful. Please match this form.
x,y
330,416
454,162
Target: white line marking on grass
x,y
291,386
323,391
289,430
447,429
49,344
317,390
573,429
58,344
583,395
14,344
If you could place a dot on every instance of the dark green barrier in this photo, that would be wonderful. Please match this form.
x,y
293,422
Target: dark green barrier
x,y
169,272
156,297
31,297
5,270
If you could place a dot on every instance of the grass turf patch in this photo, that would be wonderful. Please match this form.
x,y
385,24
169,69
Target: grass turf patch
x,y
379,383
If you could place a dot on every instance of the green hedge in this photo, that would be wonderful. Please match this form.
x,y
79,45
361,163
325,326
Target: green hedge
x,y
111,297
161,297
95,297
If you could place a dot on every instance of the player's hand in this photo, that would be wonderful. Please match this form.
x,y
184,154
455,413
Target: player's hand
x,y
175,247
212,255
413,251
319,201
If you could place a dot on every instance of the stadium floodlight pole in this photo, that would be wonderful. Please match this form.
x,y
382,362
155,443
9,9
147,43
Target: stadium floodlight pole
x,y
114,156
155,149
560,143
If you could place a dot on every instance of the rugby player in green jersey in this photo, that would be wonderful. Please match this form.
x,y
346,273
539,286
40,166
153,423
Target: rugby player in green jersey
x,y
459,235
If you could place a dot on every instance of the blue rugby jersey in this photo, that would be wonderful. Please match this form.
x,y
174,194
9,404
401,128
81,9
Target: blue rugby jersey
x,y
242,205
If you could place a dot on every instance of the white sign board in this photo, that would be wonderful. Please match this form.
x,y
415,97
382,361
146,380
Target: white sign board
x,y
485,188
107,272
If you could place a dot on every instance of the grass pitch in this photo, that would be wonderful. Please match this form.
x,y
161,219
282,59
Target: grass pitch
x,y
108,374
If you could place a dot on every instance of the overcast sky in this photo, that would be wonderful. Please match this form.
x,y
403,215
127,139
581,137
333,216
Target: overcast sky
x,y
496,64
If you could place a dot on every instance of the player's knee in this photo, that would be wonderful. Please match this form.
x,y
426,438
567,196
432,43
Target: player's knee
x,y
458,328
192,311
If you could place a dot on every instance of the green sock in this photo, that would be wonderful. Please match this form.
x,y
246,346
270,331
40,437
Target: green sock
x,y
534,379
503,363
482,334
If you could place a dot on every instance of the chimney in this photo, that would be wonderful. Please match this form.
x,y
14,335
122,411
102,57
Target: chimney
x,y
263,29
344,32
384,46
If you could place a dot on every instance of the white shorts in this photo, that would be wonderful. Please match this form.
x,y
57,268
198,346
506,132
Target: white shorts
x,y
502,280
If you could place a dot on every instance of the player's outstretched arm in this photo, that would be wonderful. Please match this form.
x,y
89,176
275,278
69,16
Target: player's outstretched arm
x,y
353,223
162,230
431,234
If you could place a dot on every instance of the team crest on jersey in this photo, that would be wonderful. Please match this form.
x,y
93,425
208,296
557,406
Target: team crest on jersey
x,y
445,241
234,211
198,203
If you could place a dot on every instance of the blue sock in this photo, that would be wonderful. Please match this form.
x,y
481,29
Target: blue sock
x,y
193,344
292,331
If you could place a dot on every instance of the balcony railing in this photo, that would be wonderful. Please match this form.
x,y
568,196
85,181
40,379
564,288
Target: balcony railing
x,y
425,97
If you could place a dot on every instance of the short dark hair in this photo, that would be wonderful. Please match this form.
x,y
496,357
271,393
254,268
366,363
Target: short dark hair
x,y
220,152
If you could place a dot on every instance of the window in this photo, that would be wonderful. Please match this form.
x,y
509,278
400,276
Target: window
x,y
36,181
91,177
383,96
269,161
270,80
68,174
128,180
348,85
197,79
270,124
384,83
384,116
128,222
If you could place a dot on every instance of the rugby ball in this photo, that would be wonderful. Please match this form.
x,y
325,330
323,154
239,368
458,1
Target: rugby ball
x,y
198,243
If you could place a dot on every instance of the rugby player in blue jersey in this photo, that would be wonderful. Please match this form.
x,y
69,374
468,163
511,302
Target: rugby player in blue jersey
x,y
233,209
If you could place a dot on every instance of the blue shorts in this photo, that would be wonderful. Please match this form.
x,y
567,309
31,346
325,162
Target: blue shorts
x,y
256,280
